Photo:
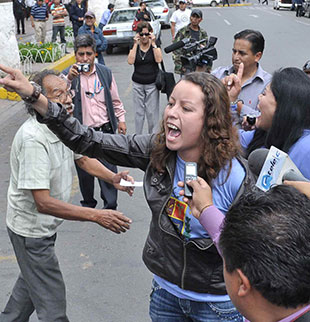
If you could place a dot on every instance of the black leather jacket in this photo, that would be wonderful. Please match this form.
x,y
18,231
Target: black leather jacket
x,y
192,265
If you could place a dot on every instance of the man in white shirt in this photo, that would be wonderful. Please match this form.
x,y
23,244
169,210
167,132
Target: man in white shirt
x,y
38,195
180,18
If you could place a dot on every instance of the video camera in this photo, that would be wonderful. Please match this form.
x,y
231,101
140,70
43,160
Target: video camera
x,y
194,53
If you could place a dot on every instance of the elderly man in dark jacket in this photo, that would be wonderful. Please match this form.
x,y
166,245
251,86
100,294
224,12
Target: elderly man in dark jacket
x,y
90,28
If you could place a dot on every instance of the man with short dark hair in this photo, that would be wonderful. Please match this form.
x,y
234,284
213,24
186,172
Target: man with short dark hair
x,y
90,29
193,31
248,49
264,240
38,196
38,17
96,91
106,15
180,18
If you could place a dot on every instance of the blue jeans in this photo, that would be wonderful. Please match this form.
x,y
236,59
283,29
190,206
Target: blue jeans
x,y
165,307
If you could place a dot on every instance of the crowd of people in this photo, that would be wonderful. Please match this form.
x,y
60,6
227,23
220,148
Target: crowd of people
x,y
217,256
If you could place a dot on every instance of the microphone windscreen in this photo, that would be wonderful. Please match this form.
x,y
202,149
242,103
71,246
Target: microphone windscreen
x,y
256,160
177,45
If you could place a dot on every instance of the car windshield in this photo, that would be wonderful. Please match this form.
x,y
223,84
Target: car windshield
x,y
122,16
158,3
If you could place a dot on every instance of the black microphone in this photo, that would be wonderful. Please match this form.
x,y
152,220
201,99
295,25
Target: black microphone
x,y
177,45
257,159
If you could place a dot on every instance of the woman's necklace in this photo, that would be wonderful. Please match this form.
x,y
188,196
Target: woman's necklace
x,y
142,55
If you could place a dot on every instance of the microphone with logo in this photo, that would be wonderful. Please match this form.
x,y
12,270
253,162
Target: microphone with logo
x,y
273,167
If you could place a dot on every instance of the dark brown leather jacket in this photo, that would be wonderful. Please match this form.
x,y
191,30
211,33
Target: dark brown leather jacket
x,y
192,265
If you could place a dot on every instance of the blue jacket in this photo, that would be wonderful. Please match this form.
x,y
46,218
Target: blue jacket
x,y
101,42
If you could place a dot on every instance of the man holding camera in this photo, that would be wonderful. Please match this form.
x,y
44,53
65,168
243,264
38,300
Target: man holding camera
x,y
97,104
192,31
248,49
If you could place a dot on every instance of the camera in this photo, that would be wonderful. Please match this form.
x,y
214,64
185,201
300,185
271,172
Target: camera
x,y
195,54
251,119
85,68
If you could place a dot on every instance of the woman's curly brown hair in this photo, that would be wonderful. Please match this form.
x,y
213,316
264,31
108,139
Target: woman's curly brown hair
x,y
219,138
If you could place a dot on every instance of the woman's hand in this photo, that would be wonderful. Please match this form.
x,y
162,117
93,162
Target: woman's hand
x,y
202,196
302,186
136,39
152,39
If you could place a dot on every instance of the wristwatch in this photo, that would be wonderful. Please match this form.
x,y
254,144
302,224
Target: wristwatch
x,y
35,94
155,46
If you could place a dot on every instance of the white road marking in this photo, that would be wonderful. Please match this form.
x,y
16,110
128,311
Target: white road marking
x,y
218,14
228,23
254,16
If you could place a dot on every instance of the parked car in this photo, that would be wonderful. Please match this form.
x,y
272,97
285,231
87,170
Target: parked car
x,y
277,4
118,31
161,10
212,3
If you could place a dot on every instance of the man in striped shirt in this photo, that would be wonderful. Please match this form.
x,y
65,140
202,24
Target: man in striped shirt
x,y
58,12
39,16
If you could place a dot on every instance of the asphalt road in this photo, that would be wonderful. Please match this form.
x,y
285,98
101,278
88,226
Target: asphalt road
x,y
105,277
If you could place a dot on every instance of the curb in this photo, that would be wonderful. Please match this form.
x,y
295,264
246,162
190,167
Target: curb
x,y
58,66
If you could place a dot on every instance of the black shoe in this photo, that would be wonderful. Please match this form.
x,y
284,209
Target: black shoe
x,y
18,32
23,32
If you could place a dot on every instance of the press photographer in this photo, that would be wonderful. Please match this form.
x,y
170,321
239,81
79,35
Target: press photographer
x,y
191,31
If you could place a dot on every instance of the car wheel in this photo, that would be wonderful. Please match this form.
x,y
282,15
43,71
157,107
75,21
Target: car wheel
x,y
213,4
109,50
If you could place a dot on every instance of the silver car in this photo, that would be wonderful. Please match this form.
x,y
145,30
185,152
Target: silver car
x,y
118,31
161,10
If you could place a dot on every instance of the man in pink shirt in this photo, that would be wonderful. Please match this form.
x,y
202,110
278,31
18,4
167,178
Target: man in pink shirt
x,y
98,105
265,244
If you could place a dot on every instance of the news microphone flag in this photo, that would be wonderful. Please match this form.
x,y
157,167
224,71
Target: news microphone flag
x,y
277,163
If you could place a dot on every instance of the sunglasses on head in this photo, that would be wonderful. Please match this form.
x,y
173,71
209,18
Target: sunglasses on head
x,y
144,34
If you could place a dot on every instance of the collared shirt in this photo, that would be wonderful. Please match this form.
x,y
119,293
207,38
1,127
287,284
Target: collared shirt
x,y
39,160
105,17
250,90
39,13
94,110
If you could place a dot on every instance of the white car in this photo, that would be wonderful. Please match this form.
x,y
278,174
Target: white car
x,y
212,3
161,10
277,4
118,31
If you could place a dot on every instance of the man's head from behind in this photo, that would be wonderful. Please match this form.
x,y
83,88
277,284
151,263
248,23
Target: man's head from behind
x,y
111,6
265,243
85,49
248,49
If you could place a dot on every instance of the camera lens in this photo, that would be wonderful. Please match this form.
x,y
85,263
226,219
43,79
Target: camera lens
x,y
251,119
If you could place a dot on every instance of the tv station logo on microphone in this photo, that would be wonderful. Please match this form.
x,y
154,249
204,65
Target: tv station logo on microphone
x,y
272,169
267,178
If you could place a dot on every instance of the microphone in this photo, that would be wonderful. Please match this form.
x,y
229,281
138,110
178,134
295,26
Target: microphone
x,y
273,167
177,45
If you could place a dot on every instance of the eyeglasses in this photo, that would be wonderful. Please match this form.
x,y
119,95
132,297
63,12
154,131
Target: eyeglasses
x,y
144,34
62,97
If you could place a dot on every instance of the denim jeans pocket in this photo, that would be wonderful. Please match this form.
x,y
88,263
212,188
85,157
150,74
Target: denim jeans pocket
x,y
226,311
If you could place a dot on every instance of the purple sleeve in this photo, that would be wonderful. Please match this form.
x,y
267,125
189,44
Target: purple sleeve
x,y
211,219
